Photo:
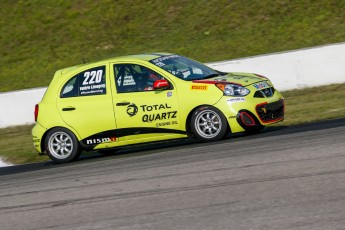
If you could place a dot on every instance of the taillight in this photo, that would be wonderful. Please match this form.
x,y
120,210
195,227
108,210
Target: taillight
x,y
36,112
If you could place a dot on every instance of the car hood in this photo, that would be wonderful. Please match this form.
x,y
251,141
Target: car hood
x,y
242,79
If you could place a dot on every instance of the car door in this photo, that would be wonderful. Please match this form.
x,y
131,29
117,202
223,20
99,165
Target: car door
x,y
85,105
143,114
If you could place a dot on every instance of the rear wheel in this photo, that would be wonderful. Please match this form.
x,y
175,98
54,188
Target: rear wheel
x,y
208,124
62,146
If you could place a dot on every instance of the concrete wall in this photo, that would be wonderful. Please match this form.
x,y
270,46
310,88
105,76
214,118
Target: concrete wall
x,y
287,70
17,107
3,164
297,69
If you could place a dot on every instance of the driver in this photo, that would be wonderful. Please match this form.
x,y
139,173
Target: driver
x,y
148,77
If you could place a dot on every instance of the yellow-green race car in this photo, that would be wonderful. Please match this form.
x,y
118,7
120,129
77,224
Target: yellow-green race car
x,y
150,97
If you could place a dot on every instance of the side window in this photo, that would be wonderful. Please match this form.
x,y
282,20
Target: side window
x,y
89,82
134,78
71,88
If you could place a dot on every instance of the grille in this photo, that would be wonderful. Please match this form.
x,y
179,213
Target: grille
x,y
271,112
264,93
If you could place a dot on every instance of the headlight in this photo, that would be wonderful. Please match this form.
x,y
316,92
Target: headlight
x,y
233,90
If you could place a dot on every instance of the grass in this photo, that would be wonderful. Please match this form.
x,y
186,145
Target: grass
x,y
302,106
314,104
38,37
16,145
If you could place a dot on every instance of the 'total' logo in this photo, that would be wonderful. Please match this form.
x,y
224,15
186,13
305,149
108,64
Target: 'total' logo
x,y
132,109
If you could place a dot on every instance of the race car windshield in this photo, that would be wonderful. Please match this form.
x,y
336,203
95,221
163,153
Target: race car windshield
x,y
185,68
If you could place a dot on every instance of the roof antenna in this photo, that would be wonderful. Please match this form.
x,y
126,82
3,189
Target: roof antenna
x,y
83,60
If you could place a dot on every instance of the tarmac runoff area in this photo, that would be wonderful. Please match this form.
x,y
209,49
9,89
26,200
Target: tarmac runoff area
x,y
289,178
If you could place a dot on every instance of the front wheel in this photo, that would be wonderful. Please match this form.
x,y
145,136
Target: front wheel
x,y
208,124
62,146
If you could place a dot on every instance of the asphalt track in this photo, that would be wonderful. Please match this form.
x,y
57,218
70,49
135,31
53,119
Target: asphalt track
x,y
282,178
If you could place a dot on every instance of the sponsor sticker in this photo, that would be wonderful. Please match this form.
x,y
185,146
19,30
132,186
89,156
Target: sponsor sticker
x,y
100,140
149,108
159,116
167,123
159,61
92,81
153,113
127,80
132,109
261,85
199,87
235,99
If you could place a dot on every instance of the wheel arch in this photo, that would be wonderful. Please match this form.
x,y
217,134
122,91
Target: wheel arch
x,y
189,118
43,147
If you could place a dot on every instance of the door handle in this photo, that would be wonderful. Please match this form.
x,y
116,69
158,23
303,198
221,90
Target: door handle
x,y
122,103
68,109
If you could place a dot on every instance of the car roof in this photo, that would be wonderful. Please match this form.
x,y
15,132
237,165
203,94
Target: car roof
x,y
144,57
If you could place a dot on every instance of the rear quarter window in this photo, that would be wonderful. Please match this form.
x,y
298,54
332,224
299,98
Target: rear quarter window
x,y
86,83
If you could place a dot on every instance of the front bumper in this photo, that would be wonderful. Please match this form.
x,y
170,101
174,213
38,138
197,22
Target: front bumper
x,y
251,113
271,112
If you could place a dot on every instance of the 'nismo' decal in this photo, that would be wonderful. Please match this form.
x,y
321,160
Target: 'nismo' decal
x,y
112,135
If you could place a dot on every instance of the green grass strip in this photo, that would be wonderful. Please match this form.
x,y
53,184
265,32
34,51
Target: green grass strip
x,y
40,37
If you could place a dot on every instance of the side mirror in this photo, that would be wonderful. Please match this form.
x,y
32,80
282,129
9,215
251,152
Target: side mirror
x,y
161,84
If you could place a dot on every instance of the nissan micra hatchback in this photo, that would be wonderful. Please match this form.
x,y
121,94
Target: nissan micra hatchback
x,y
145,98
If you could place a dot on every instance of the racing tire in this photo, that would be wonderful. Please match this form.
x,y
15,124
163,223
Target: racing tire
x,y
62,145
208,124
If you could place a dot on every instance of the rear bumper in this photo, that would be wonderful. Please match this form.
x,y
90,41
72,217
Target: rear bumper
x,y
37,137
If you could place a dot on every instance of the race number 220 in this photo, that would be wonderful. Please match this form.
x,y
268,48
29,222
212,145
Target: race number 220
x,y
92,77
